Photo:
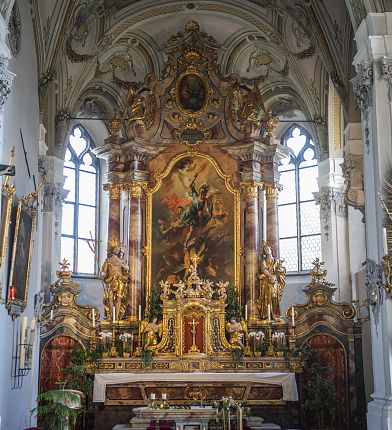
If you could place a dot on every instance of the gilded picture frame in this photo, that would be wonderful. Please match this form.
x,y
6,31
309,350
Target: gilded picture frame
x,y
22,254
235,193
7,193
197,86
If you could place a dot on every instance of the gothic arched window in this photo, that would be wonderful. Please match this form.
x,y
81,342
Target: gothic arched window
x,y
79,221
299,216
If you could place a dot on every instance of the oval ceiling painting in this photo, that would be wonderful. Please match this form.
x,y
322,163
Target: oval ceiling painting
x,y
191,93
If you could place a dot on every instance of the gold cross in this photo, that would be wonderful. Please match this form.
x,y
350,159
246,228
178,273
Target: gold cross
x,y
194,325
195,260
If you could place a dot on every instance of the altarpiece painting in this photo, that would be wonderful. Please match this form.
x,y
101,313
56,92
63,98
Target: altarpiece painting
x,y
193,212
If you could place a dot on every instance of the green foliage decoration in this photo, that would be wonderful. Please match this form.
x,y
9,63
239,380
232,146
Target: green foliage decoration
x,y
146,357
155,305
80,371
233,308
321,398
52,410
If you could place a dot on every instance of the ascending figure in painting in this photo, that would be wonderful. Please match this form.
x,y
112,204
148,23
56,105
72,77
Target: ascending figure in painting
x,y
272,279
114,273
237,331
150,332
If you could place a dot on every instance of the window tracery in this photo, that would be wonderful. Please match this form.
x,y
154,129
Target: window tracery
x,y
299,216
79,221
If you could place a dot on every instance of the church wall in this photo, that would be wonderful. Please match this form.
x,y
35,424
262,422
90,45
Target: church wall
x,y
21,111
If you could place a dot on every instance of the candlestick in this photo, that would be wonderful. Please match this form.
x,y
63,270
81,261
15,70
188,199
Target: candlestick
x,y
292,316
114,314
246,312
164,396
152,396
93,318
12,292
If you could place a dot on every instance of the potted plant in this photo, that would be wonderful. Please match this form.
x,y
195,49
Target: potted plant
x,y
321,398
58,409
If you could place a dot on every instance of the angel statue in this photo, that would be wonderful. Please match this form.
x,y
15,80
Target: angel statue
x,y
114,273
150,332
272,280
237,331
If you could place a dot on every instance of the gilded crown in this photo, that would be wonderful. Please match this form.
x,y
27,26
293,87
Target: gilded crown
x,y
114,243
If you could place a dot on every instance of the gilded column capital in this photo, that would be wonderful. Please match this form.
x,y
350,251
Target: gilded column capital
x,y
272,191
114,190
136,189
252,189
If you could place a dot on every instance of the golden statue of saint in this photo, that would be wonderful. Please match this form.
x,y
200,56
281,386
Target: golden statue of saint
x,y
237,331
272,279
150,332
114,273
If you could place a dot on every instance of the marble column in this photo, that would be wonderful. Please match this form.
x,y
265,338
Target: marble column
x,y
134,294
252,239
272,218
114,223
373,92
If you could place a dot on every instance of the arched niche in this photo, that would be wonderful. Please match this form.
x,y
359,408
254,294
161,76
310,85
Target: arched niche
x,y
55,357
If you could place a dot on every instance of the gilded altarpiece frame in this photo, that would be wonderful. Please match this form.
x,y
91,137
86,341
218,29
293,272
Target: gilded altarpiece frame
x,y
194,161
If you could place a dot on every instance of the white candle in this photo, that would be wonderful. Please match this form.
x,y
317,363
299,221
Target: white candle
x,y
240,417
22,341
164,396
32,324
114,314
269,312
292,316
246,312
23,330
140,312
152,396
93,318
385,242
51,314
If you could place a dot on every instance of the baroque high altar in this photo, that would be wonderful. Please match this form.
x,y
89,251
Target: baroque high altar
x,y
193,281
197,175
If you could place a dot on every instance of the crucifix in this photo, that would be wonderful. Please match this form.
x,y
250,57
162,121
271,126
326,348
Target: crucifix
x,y
195,260
194,325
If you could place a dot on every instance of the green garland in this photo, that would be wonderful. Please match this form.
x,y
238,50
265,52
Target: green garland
x,y
155,305
146,357
233,308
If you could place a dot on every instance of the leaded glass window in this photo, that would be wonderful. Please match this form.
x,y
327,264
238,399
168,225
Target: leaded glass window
x,y
299,216
79,221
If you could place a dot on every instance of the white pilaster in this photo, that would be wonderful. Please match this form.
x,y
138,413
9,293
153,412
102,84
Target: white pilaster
x,y
374,42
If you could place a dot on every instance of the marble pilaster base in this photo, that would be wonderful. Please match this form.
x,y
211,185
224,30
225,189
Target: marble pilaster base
x,y
379,416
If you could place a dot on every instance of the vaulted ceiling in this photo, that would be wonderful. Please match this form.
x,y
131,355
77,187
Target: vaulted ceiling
x,y
94,50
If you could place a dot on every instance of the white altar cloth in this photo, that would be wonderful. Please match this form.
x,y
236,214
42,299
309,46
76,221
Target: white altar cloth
x,y
285,380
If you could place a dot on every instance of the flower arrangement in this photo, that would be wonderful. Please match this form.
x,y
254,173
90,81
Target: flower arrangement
x,y
258,342
106,340
127,341
229,409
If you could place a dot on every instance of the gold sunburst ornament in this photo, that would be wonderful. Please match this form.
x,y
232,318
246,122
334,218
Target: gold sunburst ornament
x,y
115,243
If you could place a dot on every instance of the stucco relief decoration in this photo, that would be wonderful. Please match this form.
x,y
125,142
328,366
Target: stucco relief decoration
x,y
359,10
83,33
264,62
374,290
14,30
6,78
324,198
386,72
123,66
352,168
362,87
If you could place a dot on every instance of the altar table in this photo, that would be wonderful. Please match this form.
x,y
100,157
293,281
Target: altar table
x,y
284,380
